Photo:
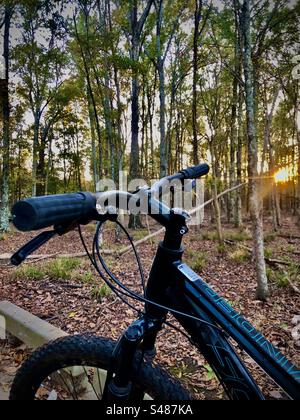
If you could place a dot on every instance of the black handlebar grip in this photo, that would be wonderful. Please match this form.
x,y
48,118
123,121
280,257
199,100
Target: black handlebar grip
x,y
196,171
53,210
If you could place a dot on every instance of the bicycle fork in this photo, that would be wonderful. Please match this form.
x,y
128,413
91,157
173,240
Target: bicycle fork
x,y
141,335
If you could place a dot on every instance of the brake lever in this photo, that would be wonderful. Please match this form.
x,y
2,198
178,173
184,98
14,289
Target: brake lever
x,y
28,249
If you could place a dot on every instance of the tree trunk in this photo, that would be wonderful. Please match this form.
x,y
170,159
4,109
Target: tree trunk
x,y
239,156
92,98
137,26
36,131
4,86
297,122
40,170
198,15
49,165
268,144
163,140
254,199
216,203
93,137
162,94
134,156
233,136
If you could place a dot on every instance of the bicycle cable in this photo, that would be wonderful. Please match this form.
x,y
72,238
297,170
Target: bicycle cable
x,y
125,291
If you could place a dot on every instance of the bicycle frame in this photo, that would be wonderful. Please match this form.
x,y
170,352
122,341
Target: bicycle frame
x,y
201,300
174,285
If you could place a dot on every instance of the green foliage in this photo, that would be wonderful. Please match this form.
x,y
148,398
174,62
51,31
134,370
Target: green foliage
x,y
210,373
270,237
238,236
290,248
269,252
30,272
62,268
222,249
101,292
140,234
86,277
77,87
239,255
283,277
210,236
199,262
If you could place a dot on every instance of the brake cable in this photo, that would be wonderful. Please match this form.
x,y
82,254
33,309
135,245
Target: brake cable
x,y
125,291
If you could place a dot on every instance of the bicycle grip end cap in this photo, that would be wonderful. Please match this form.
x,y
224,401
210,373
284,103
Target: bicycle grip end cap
x,y
196,172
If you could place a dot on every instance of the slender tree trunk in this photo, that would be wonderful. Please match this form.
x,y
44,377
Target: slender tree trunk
x,y
216,203
4,86
93,138
35,151
254,199
151,106
92,98
121,143
134,158
163,140
268,141
170,122
49,164
297,124
137,26
135,221
135,111
198,15
239,158
233,135
40,173
240,121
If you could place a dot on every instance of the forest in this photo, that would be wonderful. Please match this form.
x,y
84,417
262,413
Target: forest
x,y
91,89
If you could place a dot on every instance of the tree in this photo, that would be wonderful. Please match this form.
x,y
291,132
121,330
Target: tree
x,y
40,64
254,199
165,31
198,31
136,27
4,90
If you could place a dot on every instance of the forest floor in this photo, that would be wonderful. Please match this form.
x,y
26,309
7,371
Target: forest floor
x,y
67,293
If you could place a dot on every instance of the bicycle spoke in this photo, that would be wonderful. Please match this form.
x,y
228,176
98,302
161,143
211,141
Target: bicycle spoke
x,y
74,386
92,385
67,386
99,380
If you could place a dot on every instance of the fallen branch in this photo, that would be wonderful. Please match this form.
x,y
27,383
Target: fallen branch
x,y
292,252
295,288
37,258
272,262
288,236
275,262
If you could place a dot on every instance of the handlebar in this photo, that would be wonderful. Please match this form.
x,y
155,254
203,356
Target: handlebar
x,y
195,172
53,210
57,210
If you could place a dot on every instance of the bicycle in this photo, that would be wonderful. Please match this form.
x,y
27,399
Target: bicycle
x,y
75,367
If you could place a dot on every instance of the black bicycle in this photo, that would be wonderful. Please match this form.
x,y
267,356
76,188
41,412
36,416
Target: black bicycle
x,y
88,367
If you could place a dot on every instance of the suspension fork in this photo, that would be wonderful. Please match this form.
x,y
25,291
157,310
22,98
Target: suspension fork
x,y
118,385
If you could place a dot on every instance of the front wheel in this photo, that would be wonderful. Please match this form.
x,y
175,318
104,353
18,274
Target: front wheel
x,y
75,368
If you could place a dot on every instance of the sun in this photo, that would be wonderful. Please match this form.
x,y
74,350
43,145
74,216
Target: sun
x,y
284,175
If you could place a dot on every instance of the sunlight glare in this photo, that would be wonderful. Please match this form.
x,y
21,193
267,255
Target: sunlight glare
x,y
284,175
